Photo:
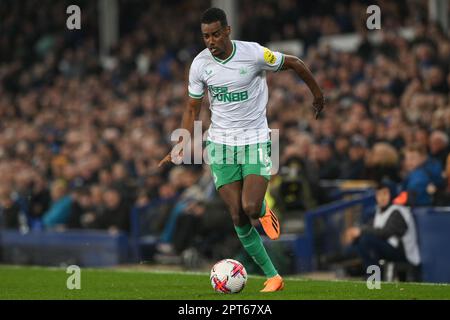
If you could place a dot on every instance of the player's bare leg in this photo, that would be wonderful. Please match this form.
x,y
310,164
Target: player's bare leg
x,y
231,195
254,190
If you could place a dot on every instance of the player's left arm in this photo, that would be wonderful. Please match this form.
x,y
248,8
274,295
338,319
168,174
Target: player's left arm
x,y
299,67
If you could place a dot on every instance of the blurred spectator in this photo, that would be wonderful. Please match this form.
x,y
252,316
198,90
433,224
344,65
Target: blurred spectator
x,y
81,207
391,235
60,207
189,226
368,131
342,144
205,226
383,162
9,210
354,167
299,186
421,136
40,198
422,179
116,214
190,191
439,146
323,154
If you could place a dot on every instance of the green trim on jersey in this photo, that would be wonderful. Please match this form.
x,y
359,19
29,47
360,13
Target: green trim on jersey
x,y
227,59
196,96
281,63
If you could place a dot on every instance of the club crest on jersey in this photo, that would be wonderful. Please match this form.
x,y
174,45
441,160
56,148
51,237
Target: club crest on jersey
x,y
269,56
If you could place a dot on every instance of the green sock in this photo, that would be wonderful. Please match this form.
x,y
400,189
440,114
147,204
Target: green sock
x,y
253,244
263,209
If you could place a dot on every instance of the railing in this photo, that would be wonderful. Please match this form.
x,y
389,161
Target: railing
x,y
323,227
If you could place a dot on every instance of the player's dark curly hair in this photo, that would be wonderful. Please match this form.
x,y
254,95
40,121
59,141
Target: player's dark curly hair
x,y
215,14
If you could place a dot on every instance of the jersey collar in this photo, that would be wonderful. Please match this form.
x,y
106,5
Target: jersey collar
x,y
229,58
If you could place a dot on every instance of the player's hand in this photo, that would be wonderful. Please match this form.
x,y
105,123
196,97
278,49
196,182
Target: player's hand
x,y
318,105
168,158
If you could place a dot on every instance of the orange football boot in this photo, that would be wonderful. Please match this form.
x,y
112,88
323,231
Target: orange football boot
x,y
273,284
270,224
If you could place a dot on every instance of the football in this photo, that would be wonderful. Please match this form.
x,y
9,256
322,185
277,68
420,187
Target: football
x,y
228,276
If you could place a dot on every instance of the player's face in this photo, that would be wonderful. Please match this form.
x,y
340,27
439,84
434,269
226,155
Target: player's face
x,y
215,37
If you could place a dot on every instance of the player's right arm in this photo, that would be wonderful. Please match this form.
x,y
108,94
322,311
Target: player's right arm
x,y
190,114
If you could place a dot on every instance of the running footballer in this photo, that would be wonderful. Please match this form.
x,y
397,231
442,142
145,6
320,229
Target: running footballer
x,y
234,75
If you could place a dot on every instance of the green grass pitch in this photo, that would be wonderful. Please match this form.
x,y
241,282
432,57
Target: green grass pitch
x,y
50,283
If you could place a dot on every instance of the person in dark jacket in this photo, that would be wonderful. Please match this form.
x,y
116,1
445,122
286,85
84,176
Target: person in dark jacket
x,y
423,178
9,210
391,235
115,215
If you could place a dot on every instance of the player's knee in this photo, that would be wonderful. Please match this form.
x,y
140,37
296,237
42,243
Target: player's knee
x,y
252,209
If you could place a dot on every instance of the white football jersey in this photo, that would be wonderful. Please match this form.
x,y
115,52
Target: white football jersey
x,y
237,91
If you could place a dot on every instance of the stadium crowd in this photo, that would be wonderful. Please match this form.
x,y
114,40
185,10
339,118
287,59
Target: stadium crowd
x,y
81,137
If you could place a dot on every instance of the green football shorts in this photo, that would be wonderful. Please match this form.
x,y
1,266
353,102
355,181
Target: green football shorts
x,y
233,163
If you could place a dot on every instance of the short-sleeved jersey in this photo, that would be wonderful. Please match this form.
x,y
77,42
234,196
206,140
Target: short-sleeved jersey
x,y
237,91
